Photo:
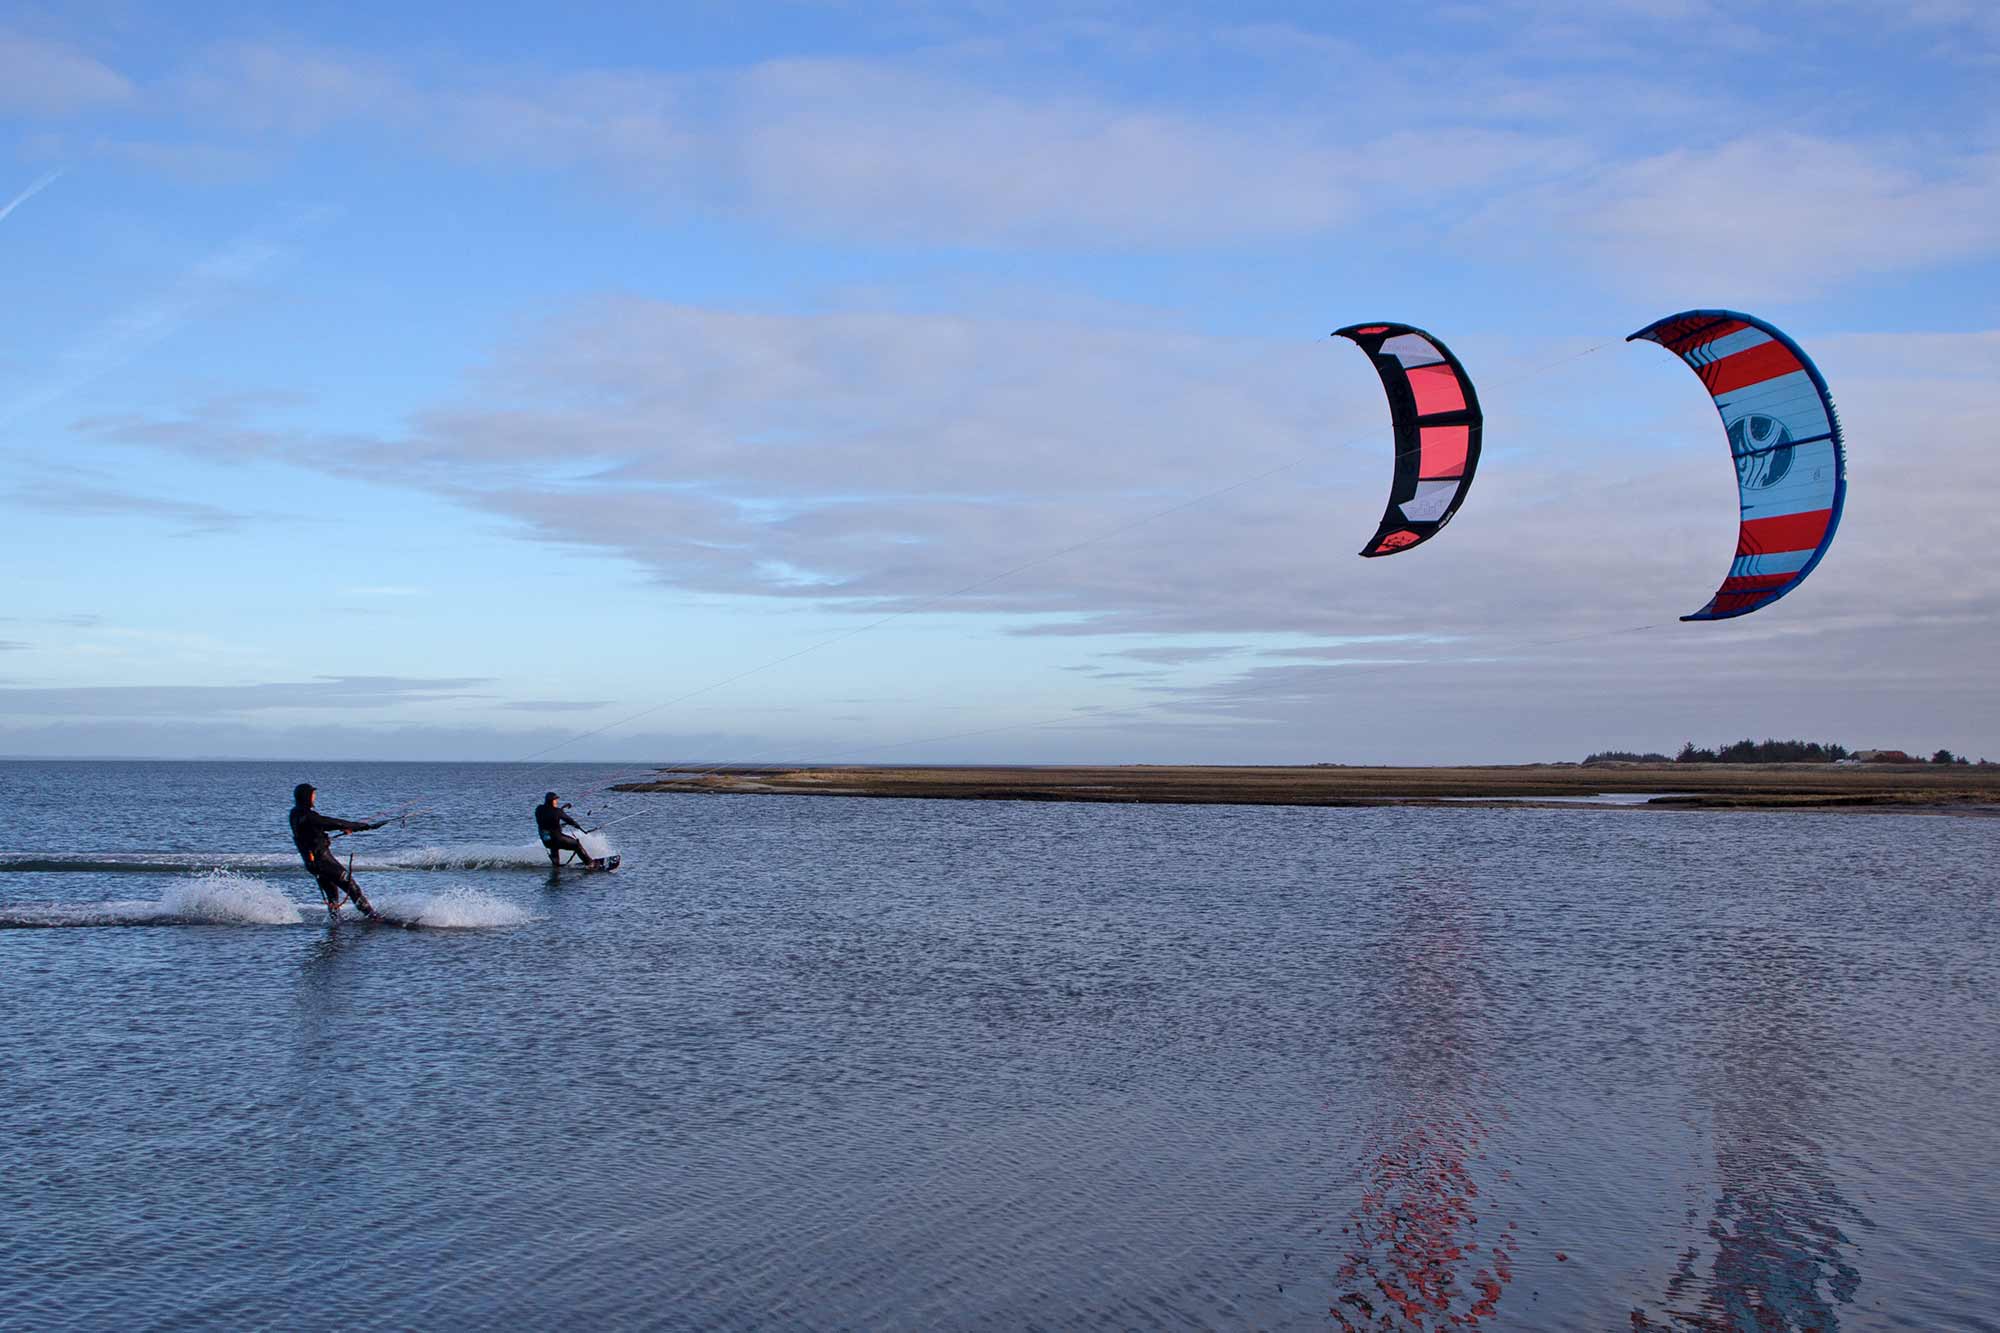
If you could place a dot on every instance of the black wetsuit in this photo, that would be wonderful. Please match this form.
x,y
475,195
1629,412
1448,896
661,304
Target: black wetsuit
x,y
549,821
309,830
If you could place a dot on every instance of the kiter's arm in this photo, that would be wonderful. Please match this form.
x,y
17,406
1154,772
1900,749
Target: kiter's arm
x,y
328,824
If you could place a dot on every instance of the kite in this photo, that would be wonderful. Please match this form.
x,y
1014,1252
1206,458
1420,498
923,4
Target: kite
x,y
1791,467
1437,420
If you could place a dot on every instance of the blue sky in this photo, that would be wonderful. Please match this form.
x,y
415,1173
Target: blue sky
x,y
448,384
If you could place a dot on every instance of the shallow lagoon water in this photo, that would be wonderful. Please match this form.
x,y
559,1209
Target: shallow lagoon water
x,y
824,1063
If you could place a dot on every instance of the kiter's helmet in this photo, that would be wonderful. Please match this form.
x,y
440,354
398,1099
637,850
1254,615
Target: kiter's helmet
x,y
301,792
548,796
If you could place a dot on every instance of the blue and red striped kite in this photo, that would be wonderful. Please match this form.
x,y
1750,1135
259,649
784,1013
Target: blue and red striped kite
x,y
1791,468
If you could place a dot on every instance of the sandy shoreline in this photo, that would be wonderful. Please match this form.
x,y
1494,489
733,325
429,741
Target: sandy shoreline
x,y
1904,788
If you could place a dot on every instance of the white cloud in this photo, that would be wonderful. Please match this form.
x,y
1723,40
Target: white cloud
x,y
853,144
1604,505
254,87
159,702
854,147
49,78
1555,141
70,495
1785,215
1107,480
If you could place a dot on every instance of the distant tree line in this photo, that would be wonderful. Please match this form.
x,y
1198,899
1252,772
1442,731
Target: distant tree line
x,y
1747,751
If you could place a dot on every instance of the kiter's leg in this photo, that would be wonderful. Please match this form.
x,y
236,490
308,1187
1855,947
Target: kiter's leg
x,y
360,899
574,844
329,888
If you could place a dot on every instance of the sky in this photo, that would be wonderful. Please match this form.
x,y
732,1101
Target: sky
x,y
903,383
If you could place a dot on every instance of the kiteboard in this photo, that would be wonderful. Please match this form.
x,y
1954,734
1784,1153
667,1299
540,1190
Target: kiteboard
x,y
586,868
360,918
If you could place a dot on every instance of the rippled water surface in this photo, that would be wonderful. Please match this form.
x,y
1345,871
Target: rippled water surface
x,y
855,1064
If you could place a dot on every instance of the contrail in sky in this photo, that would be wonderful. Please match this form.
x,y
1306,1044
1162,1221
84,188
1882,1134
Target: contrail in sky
x,y
29,193
210,282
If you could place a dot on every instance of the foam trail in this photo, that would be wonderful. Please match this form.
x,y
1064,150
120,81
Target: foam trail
x,y
462,856
227,898
480,856
218,898
458,909
148,863
469,856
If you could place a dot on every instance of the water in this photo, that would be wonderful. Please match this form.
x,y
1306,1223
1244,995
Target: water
x,y
852,1064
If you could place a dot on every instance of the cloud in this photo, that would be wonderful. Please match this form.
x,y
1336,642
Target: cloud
x,y
291,89
1124,482
91,501
91,492
852,145
556,705
868,457
1180,654
322,741
156,702
48,78
80,621
1087,481
1344,649
1558,130
12,645
1781,216
875,148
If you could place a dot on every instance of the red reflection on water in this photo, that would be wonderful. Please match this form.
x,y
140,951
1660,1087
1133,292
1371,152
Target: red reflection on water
x,y
1421,1249
1414,1255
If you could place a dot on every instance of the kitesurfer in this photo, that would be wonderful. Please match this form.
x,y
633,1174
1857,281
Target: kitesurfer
x,y
309,834
549,820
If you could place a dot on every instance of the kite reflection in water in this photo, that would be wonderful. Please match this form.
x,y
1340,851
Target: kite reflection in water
x,y
1423,1248
1776,1250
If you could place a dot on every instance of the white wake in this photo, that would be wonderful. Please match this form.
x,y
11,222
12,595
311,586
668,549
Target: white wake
x,y
455,909
225,898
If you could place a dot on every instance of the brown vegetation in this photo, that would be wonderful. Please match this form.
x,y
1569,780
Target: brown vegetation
x,y
1674,785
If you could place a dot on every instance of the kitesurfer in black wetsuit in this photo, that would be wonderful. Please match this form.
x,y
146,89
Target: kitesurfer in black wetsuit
x,y
309,835
549,821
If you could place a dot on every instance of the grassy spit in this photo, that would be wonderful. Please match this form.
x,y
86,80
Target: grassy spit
x,y
1911,788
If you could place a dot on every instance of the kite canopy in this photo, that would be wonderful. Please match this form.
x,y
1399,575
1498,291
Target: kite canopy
x,y
1437,420
1791,469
